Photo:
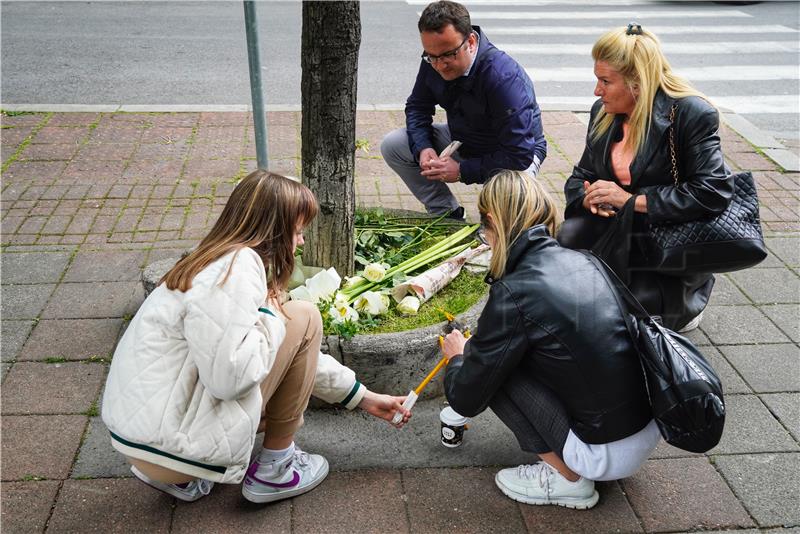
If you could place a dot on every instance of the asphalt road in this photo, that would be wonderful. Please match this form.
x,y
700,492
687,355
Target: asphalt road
x,y
179,53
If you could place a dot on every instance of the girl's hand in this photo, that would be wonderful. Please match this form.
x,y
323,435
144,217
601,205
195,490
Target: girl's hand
x,y
453,345
384,407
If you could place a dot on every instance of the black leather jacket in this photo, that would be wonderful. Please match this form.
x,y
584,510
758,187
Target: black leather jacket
x,y
705,188
554,317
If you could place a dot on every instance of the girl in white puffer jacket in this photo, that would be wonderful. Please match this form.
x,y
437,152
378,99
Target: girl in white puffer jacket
x,y
212,357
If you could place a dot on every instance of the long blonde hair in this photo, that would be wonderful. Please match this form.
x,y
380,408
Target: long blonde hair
x,y
263,213
516,202
642,64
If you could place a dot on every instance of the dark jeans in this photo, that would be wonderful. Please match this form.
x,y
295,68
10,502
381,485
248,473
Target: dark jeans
x,y
534,414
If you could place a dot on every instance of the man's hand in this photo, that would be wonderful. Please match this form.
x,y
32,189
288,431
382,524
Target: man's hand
x,y
426,157
443,170
603,195
453,345
384,407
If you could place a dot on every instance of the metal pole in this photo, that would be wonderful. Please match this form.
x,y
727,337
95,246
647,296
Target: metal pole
x,y
256,91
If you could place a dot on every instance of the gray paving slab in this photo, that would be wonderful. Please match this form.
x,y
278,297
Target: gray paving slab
x,y
683,494
612,513
770,262
725,292
33,267
111,505
4,369
39,445
14,334
106,266
786,317
733,325
226,511
750,427
767,368
766,484
731,379
97,458
769,286
380,507
786,408
787,249
458,500
354,440
72,339
24,301
26,505
95,300
52,388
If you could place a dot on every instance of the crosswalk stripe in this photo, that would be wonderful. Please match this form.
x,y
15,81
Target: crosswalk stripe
x,y
738,104
715,73
622,15
712,48
537,3
492,31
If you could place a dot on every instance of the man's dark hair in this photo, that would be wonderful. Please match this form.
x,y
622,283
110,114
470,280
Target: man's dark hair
x,y
439,14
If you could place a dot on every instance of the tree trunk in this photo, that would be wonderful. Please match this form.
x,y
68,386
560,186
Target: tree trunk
x,y
331,38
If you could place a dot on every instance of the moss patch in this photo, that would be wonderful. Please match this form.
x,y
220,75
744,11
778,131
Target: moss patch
x,y
461,294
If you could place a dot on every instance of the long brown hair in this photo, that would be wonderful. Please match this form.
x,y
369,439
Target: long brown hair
x,y
516,201
263,213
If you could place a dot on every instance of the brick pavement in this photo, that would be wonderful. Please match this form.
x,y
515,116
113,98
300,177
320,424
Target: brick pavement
x,y
88,199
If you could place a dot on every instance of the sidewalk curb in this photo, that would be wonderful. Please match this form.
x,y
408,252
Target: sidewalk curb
x,y
763,142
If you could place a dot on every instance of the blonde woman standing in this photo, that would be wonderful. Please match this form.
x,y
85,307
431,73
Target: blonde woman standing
x,y
551,356
624,182
212,357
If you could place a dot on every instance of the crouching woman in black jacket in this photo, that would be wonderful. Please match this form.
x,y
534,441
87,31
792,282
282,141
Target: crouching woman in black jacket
x,y
551,356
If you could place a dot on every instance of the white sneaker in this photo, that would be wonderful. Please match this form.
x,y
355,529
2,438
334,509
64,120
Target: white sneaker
x,y
189,492
299,473
541,484
693,324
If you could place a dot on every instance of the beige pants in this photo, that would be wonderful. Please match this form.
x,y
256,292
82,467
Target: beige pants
x,y
285,390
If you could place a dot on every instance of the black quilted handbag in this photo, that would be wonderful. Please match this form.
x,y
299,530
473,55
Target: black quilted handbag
x,y
722,243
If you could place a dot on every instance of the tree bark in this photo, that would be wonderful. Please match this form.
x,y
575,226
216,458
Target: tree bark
x,y
330,43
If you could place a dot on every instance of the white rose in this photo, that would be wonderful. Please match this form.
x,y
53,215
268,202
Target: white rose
x,y
340,314
374,272
324,284
372,303
408,306
352,281
302,293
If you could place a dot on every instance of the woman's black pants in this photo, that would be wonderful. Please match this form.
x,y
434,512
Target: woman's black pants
x,y
534,414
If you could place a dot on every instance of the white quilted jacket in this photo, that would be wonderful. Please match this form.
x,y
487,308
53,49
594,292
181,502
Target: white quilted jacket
x,y
182,391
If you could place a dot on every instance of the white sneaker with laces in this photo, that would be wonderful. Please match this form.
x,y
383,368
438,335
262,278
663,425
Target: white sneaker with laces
x,y
541,484
693,324
189,492
297,474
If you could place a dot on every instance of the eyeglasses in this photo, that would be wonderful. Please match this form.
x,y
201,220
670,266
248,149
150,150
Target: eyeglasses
x,y
447,56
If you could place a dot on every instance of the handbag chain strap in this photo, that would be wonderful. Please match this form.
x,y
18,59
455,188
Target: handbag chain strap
x,y
673,157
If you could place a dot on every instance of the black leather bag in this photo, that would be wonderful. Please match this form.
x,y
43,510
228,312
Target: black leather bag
x,y
726,242
685,391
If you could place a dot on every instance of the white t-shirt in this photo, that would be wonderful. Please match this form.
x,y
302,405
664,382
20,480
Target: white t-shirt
x,y
611,461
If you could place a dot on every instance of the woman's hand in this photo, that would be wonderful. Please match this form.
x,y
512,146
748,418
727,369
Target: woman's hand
x,y
601,196
453,345
384,407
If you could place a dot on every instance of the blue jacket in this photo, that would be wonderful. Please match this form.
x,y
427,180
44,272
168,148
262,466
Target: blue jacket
x,y
492,111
